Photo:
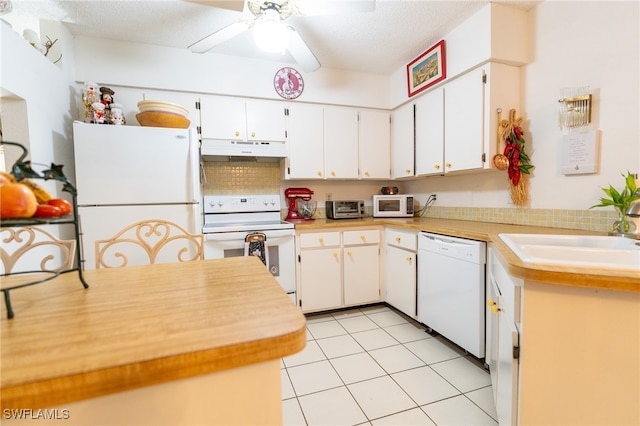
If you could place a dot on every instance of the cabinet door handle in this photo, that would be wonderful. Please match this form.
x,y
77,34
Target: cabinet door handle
x,y
253,134
333,173
335,255
397,239
349,254
363,237
366,174
436,166
321,240
320,174
407,171
237,133
409,259
448,165
494,307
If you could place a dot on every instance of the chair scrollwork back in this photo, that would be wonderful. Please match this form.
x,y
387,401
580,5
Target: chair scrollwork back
x,y
149,239
21,246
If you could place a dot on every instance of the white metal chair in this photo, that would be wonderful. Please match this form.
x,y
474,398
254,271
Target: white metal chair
x,y
153,241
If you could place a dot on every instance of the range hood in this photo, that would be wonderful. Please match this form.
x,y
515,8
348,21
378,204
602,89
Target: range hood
x,y
220,150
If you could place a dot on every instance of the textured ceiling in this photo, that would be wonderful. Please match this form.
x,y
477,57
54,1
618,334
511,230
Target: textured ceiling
x,y
375,42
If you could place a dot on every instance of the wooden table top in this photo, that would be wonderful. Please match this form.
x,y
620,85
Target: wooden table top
x,y
142,325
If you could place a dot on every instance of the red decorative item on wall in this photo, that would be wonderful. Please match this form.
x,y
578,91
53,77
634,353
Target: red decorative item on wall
x,y
519,162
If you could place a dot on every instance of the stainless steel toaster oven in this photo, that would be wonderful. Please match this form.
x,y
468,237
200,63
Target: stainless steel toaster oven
x,y
345,209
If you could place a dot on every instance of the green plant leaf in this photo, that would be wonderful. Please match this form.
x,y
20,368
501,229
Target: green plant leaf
x,y
620,199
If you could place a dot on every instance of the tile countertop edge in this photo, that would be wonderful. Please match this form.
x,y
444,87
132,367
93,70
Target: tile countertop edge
x,y
597,278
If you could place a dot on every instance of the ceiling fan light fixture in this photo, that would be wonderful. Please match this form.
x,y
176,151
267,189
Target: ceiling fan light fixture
x,y
269,34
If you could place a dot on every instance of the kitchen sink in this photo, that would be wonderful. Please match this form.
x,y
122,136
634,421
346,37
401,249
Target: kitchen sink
x,y
586,251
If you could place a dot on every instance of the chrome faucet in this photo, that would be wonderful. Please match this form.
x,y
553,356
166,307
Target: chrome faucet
x,y
634,212
634,208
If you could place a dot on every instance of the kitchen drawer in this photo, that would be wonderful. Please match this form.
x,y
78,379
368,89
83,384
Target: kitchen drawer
x,y
402,239
319,239
365,236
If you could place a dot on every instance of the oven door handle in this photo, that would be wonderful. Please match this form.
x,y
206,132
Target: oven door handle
x,y
228,236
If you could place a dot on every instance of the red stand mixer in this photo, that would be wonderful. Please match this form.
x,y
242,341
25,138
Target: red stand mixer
x,y
300,206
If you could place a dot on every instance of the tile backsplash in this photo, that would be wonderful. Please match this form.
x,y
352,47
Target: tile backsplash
x,y
228,178
241,177
590,220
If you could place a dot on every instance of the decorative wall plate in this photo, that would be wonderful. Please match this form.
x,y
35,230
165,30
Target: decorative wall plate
x,y
288,83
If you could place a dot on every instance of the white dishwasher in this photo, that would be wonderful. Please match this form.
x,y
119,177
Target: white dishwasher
x,y
451,289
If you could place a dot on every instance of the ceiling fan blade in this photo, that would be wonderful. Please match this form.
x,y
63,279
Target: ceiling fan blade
x,y
220,36
237,5
334,7
301,53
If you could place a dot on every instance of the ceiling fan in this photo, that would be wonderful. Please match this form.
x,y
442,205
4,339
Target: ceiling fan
x,y
270,33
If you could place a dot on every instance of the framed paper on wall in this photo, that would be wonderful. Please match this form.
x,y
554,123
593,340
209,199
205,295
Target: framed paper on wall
x,y
427,69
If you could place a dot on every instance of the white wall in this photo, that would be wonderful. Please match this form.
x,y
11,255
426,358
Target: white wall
x,y
584,43
496,32
609,65
108,62
36,100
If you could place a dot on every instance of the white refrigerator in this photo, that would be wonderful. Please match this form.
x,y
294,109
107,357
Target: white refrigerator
x,y
125,174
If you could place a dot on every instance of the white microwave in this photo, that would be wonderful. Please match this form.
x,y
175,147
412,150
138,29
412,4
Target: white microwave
x,y
397,205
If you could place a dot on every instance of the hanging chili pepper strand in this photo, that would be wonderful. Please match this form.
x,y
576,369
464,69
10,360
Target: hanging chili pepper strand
x,y
519,162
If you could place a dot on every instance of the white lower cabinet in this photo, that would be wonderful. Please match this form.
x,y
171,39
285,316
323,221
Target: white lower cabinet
x,y
338,268
503,339
361,266
319,271
400,270
320,279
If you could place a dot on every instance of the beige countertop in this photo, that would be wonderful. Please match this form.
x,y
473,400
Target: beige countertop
x,y
140,326
601,278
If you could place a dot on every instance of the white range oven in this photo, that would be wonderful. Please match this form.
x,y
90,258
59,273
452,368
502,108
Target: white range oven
x,y
230,219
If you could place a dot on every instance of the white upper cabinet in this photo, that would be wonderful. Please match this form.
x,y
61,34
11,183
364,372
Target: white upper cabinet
x,y
374,144
236,119
463,119
402,142
341,143
470,115
223,118
305,136
430,133
456,124
265,121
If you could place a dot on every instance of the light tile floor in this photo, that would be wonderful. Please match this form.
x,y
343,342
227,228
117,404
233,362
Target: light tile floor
x,y
374,366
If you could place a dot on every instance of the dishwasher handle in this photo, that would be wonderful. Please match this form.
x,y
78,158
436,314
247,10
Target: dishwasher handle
x,y
451,242
469,250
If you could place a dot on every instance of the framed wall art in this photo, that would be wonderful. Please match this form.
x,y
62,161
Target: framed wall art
x,y
427,69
